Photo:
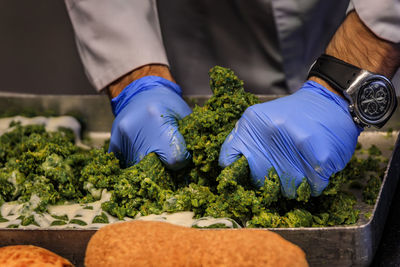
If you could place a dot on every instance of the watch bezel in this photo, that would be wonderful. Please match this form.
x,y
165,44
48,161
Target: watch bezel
x,y
365,77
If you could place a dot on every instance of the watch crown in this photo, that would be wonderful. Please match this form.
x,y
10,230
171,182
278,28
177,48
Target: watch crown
x,y
356,120
351,107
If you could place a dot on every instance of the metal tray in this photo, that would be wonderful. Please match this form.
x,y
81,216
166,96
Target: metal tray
x,y
326,246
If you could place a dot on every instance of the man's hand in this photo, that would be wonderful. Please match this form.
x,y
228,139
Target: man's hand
x,y
309,134
146,114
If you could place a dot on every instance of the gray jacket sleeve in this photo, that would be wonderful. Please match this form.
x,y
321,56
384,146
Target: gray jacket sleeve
x,y
382,17
116,37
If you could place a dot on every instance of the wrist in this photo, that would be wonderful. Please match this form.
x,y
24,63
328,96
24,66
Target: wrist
x,y
116,87
326,85
356,44
147,83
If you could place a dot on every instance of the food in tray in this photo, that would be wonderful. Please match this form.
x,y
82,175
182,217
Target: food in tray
x,y
48,181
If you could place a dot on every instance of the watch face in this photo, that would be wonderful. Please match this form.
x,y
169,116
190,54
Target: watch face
x,y
374,99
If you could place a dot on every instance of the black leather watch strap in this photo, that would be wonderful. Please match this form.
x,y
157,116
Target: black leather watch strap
x,y
335,72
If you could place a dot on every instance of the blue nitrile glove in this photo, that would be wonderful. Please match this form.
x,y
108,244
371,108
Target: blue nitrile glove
x,y
146,114
308,134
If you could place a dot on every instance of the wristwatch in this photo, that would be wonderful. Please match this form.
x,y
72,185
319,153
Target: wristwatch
x,y
372,98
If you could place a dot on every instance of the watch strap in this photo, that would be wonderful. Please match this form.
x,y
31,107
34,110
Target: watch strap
x,y
335,72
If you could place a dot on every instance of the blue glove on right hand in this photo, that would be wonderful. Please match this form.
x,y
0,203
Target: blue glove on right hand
x,y
309,134
146,114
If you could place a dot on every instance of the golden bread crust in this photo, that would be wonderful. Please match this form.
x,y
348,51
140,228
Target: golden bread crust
x,y
144,243
32,256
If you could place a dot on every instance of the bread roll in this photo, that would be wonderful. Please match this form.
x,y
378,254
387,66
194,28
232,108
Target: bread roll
x,y
145,243
30,256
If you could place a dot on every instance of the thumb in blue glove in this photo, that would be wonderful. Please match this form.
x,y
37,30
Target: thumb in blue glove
x,y
146,114
309,134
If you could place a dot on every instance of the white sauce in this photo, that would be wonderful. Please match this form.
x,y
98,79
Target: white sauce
x,y
12,210
184,218
96,193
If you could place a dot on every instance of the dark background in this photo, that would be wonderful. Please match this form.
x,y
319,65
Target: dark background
x,y
37,49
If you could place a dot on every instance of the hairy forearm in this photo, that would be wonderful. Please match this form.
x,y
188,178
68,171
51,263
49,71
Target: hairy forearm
x,y
356,44
117,86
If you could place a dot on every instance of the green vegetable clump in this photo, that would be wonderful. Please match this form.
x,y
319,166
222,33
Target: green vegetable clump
x,y
142,188
35,164
38,168
371,190
206,128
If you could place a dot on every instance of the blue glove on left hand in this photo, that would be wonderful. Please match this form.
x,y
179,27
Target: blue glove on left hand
x,y
146,114
309,134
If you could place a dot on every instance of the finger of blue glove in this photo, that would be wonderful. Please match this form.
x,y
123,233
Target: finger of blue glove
x,y
248,140
171,146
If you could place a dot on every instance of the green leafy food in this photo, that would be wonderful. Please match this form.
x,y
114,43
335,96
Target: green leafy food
x,y
368,215
38,168
371,190
303,191
206,128
76,221
216,225
374,151
29,220
100,218
57,222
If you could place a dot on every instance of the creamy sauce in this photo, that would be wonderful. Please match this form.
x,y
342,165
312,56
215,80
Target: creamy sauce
x,y
184,218
86,213
96,193
83,212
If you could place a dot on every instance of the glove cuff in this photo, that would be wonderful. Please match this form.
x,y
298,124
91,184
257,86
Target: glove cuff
x,y
340,101
320,89
143,84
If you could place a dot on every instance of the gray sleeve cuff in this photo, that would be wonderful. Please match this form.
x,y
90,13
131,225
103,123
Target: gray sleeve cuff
x,y
116,37
350,8
382,17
